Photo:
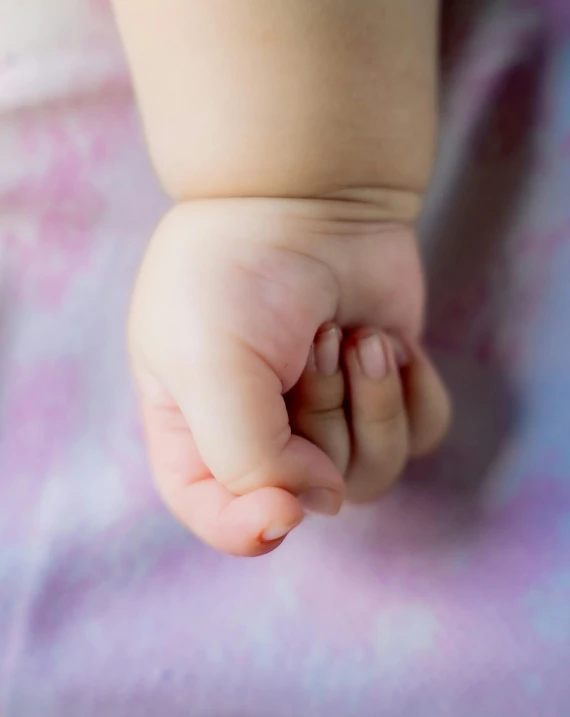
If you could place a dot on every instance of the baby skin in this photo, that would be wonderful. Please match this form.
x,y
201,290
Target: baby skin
x,y
276,322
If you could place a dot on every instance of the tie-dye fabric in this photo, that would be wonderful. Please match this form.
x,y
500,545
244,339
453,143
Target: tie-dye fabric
x,y
450,599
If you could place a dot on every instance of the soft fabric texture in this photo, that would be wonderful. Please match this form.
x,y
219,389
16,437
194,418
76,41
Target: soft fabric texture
x,y
449,599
